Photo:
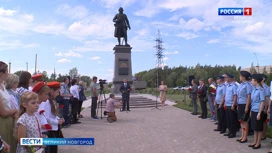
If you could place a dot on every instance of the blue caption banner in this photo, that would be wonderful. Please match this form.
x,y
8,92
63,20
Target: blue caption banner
x,y
230,11
68,141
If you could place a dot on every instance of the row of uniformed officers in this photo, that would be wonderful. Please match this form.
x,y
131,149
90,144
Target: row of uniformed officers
x,y
243,106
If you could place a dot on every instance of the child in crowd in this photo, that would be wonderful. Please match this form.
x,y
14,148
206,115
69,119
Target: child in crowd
x,y
28,125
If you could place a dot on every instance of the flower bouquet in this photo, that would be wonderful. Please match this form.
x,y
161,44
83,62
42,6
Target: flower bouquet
x,y
212,89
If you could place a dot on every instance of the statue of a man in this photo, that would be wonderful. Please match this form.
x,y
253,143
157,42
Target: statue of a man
x,y
121,26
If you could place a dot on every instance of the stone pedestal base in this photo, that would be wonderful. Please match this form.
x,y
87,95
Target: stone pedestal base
x,y
122,67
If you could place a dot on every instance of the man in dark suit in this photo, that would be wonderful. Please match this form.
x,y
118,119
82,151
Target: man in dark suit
x,y
125,90
193,96
202,91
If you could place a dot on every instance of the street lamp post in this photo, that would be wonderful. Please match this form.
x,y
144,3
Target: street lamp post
x,y
257,62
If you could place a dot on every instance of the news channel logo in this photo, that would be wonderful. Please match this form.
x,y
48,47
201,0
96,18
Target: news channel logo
x,y
56,141
246,11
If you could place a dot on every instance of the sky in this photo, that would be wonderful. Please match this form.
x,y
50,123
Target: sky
x,y
72,33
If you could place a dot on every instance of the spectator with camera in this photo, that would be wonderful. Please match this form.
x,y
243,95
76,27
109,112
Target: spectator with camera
x,y
111,104
94,95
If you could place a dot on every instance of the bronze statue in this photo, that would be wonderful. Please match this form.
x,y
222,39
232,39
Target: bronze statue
x,y
121,26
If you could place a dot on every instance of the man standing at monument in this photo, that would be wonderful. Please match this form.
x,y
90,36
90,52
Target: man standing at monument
x,y
125,90
121,26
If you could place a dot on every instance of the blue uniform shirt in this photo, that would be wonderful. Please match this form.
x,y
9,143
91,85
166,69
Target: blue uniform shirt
x,y
220,91
230,92
243,90
257,97
266,90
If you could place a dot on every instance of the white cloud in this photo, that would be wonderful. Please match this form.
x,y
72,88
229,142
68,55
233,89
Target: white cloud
x,y
31,45
206,55
15,44
193,24
77,12
149,10
68,54
213,41
13,22
188,35
98,25
173,53
165,59
95,58
115,3
63,61
4,12
50,29
100,62
174,5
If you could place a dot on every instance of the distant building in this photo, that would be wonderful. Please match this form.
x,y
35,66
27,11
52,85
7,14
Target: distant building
x,y
267,68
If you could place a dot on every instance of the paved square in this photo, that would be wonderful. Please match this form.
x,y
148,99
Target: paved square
x,y
170,130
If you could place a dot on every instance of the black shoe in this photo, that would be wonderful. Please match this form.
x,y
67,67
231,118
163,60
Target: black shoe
x,y
200,116
128,110
263,138
227,134
251,145
77,122
243,141
257,147
216,123
122,110
232,136
216,130
238,140
204,118
222,132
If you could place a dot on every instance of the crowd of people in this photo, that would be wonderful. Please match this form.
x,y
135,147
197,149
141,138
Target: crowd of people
x,y
234,106
33,108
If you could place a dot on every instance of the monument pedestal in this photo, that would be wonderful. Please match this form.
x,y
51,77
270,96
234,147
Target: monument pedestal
x,y
122,67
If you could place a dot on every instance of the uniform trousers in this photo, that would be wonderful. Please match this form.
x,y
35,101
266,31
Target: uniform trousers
x,y
232,120
221,114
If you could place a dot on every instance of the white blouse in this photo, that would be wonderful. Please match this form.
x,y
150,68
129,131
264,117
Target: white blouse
x,y
4,96
41,117
74,91
51,118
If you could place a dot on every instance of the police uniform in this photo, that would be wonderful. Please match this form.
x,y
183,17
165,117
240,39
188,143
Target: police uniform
x,y
231,116
257,97
266,94
221,113
242,94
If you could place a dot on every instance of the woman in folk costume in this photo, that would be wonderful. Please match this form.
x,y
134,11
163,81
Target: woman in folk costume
x,y
51,114
163,90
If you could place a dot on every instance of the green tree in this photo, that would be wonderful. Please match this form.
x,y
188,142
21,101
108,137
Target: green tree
x,y
86,79
73,72
45,76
